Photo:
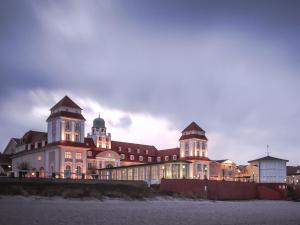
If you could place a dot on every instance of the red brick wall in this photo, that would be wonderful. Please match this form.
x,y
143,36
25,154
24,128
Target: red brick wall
x,y
223,190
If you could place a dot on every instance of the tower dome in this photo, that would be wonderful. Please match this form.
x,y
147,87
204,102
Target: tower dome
x,y
99,123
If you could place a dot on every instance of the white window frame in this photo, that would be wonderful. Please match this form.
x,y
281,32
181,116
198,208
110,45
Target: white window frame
x,y
122,156
149,159
158,159
78,155
131,157
174,157
68,155
141,158
166,158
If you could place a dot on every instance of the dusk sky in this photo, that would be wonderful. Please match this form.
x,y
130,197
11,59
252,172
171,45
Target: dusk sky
x,y
152,67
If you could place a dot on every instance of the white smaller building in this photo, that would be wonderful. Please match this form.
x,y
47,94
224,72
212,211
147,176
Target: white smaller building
x,y
269,170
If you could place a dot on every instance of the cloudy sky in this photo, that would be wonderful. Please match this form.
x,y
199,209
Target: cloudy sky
x,y
152,67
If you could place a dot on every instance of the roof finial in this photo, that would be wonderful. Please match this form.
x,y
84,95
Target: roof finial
x,y
99,114
268,150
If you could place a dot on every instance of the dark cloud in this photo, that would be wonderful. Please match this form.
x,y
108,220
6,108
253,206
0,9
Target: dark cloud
x,y
231,66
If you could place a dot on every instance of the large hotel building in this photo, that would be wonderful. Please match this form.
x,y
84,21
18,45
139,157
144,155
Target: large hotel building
x,y
65,152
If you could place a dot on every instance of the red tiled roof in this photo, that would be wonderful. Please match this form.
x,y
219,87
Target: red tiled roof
x,y
90,142
292,170
168,152
67,102
196,158
193,127
69,143
184,137
66,114
34,136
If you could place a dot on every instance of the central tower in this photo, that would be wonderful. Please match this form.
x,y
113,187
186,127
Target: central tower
x,y
101,139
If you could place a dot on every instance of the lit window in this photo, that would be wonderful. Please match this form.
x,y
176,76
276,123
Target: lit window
x,y
39,157
131,157
141,158
78,155
68,155
68,138
149,159
174,157
166,158
158,159
129,149
68,125
122,156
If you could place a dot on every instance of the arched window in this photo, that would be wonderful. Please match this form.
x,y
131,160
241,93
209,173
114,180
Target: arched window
x,y
78,171
68,171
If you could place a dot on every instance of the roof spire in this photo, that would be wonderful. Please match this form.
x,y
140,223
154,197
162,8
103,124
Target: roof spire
x,y
268,150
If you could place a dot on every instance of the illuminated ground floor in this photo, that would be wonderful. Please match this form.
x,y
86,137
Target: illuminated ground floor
x,y
151,173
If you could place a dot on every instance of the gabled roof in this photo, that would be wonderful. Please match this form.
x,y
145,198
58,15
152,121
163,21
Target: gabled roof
x,y
66,114
34,136
193,127
267,158
222,160
67,102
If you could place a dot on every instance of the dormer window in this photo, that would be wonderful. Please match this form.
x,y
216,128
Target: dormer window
x,y
122,156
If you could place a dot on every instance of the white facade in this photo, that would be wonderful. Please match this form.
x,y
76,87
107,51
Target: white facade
x,y
269,170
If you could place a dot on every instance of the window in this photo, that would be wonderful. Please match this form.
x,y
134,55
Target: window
x,y
68,155
147,152
68,125
90,166
198,153
203,153
149,159
68,171
129,150
119,148
186,146
141,158
78,155
198,167
39,157
68,138
77,127
138,151
53,130
158,159
122,156
78,171
166,158
198,144
203,145
76,137
131,157
174,157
